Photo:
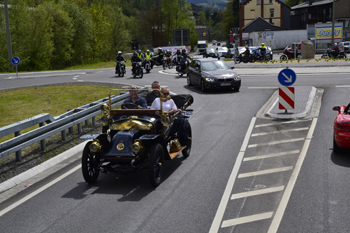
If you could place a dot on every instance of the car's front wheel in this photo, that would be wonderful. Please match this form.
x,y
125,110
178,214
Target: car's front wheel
x,y
189,83
155,167
203,88
89,164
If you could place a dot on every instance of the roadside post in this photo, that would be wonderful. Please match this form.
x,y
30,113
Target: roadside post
x,y
15,61
286,77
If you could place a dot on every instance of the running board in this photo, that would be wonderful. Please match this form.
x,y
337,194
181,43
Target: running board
x,y
175,154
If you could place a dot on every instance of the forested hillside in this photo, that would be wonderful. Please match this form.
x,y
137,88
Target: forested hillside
x,y
53,34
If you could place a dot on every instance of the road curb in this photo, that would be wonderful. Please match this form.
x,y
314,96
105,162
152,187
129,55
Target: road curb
x,y
8,184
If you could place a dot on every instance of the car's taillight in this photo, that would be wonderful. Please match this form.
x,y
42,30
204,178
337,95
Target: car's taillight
x,y
343,125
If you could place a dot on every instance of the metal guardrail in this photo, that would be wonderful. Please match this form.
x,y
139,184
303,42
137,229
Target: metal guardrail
x,y
54,125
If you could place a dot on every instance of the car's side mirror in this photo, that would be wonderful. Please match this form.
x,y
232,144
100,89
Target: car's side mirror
x,y
232,67
336,108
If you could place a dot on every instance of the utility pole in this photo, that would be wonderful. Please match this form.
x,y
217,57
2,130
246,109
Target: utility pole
x,y
333,24
8,35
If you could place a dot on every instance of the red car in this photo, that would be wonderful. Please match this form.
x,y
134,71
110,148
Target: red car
x,y
341,138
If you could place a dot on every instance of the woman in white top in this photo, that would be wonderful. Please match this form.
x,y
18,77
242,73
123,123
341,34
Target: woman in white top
x,y
168,105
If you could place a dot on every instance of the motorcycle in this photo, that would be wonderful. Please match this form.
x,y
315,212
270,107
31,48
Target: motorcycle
x,y
167,63
156,62
329,54
120,69
137,71
288,53
244,58
147,65
181,66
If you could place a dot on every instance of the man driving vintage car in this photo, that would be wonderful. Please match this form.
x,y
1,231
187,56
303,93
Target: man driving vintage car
x,y
151,96
134,101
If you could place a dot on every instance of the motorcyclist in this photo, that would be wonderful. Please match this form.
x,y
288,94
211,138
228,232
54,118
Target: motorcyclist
x,y
134,59
335,50
148,55
263,51
247,52
176,56
140,54
168,55
118,59
160,56
184,59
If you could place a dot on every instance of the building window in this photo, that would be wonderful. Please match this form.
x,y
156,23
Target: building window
x,y
257,2
270,1
272,13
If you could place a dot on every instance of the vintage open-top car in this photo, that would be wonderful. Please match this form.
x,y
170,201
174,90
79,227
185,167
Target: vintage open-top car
x,y
341,127
134,139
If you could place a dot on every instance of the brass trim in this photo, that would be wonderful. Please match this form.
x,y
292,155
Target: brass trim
x,y
120,146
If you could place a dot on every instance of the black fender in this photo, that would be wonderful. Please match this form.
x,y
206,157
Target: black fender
x,y
104,143
148,140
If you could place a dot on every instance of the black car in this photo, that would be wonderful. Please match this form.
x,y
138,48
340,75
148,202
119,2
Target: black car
x,y
135,139
209,53
212,74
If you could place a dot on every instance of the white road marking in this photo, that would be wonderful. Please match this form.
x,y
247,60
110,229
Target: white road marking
x,y
262,87
271,155
251,218
281,131
264,172
343,86
226,195
276,142
257,192
289,188
26,198
281,123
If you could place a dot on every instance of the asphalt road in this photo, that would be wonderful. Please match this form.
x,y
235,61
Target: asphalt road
x,y
224,126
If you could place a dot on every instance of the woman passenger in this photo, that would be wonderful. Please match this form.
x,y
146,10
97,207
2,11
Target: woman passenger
x,y
168,105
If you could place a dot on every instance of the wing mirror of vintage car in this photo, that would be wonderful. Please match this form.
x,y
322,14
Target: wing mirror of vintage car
x,y
232,67
336,108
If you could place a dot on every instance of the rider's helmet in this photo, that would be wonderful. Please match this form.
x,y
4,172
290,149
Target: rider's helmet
x,y
147,51
160,49
335,44
135,53
168,51
139,50
119,53
178,51
262,44
184,50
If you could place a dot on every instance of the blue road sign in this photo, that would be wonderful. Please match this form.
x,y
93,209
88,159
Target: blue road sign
x,y
15,60
287,77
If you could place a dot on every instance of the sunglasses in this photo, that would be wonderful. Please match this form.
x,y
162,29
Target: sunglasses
x,y
165,93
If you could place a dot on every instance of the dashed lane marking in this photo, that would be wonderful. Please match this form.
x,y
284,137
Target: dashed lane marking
x,y
257,192
281,131
264,172
276,142
251,218
271,155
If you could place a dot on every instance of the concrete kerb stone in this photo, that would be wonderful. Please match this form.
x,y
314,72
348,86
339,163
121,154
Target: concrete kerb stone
x,y
41,167
274,113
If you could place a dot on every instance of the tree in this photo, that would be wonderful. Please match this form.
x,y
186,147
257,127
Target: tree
x,y
82,26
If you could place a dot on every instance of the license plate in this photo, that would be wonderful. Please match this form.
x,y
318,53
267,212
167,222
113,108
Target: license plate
x,y
225,84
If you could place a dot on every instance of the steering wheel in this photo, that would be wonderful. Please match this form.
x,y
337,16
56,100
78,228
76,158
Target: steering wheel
x,y
124,105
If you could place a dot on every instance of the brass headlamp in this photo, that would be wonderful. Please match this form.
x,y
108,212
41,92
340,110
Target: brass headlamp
x,y
95,146
137,146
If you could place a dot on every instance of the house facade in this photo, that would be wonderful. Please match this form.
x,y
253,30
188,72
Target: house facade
x,y
273,11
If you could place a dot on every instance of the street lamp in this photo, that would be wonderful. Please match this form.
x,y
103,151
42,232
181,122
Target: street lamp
x,y
333,23
8,34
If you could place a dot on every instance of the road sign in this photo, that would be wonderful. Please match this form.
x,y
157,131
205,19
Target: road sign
x,y
287,77
15,60
204,34
286,98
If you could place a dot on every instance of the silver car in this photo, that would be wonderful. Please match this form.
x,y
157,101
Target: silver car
x,y
221,51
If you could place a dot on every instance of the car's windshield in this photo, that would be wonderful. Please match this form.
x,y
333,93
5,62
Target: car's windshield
x,y
202,46
210,50
214,65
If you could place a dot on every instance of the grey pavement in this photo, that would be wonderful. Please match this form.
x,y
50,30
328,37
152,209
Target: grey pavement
x,y
307,102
